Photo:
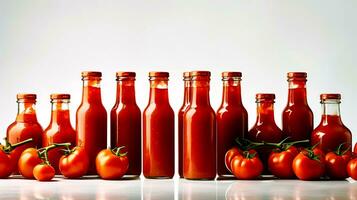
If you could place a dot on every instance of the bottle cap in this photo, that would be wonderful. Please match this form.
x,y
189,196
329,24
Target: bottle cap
x,y
91,73
231,74
297,74
186,75
159,74
267,96
60,96
330,96
26,96
125,74
200,73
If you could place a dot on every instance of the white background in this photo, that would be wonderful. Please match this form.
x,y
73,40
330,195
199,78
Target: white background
x,y
44,45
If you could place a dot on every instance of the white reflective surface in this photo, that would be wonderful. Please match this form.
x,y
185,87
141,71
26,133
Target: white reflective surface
x,y
150,189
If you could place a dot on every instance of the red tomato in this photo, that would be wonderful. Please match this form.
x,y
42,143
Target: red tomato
x,y
111,164
247,166
6,166
28,161
280,162
231,153
352,168
75,164
44,172
336,165
308,166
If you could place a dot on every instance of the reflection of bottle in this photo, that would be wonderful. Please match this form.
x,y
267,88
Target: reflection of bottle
x,y
91,119
331,132
158,130
198,190
297,115
60,129
232,118
185,105
158,189
26,125
125,121
265,128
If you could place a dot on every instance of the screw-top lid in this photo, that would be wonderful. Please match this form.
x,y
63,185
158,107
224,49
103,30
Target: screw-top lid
x,y
200,73
297,74
125,74
231,74
330,96
60,96
26,96
267,96
159,74
186,75
91,73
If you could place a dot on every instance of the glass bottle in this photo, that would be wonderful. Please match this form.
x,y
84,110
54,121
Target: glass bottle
x,y
232,118
185,105
331,132
60,129
199,133
265,128
297,117
91,119
25,126
125,120
158,130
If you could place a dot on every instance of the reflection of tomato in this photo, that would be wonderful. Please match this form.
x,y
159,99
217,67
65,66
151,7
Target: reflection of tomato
x,y
75,164
247,166
336,165
111,164
27,162
231,153
308,166
352,168
280,162
44,172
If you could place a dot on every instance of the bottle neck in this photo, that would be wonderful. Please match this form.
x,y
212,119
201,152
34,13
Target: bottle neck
x,y
200,92
232,92
186,98
331,112
91,91
26,112
265,112
126,92
297,92
159,91
60,112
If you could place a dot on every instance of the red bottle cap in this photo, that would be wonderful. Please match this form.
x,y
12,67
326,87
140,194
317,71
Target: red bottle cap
x,y
186,75
60,96
297,74
26,96
200,73
330,96
91,73
231,74
125,74
267,96
159,74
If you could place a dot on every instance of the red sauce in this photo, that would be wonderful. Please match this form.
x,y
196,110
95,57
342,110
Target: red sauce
x,y
355,150
158,130
199,122
185,105
26,125
91,120
265,128
331,132
232,118
125,120
297,116
60,129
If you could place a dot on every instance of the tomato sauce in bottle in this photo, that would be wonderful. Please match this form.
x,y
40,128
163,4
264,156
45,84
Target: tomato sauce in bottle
x,y
26,125
265,128
232,118
199,133
91,119
158,130
185,105
125,121
331,132
60,129
298,119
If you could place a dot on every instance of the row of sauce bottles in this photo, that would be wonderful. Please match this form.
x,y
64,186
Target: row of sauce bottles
x,y
204,135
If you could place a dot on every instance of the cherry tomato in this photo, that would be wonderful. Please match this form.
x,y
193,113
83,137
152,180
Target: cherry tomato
x,y
28,161
336,165
280,162
44,172
308,166
111,164
352,168
75,164
235,151
247,166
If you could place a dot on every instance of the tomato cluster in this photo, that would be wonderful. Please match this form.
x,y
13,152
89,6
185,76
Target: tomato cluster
x,y
287,161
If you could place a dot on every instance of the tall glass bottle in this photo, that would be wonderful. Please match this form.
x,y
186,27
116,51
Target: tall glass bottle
x,y
26,125
331,132
60,129
265,128
159,130
91,119
232,118
125,120
199,133
185,105
298,119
